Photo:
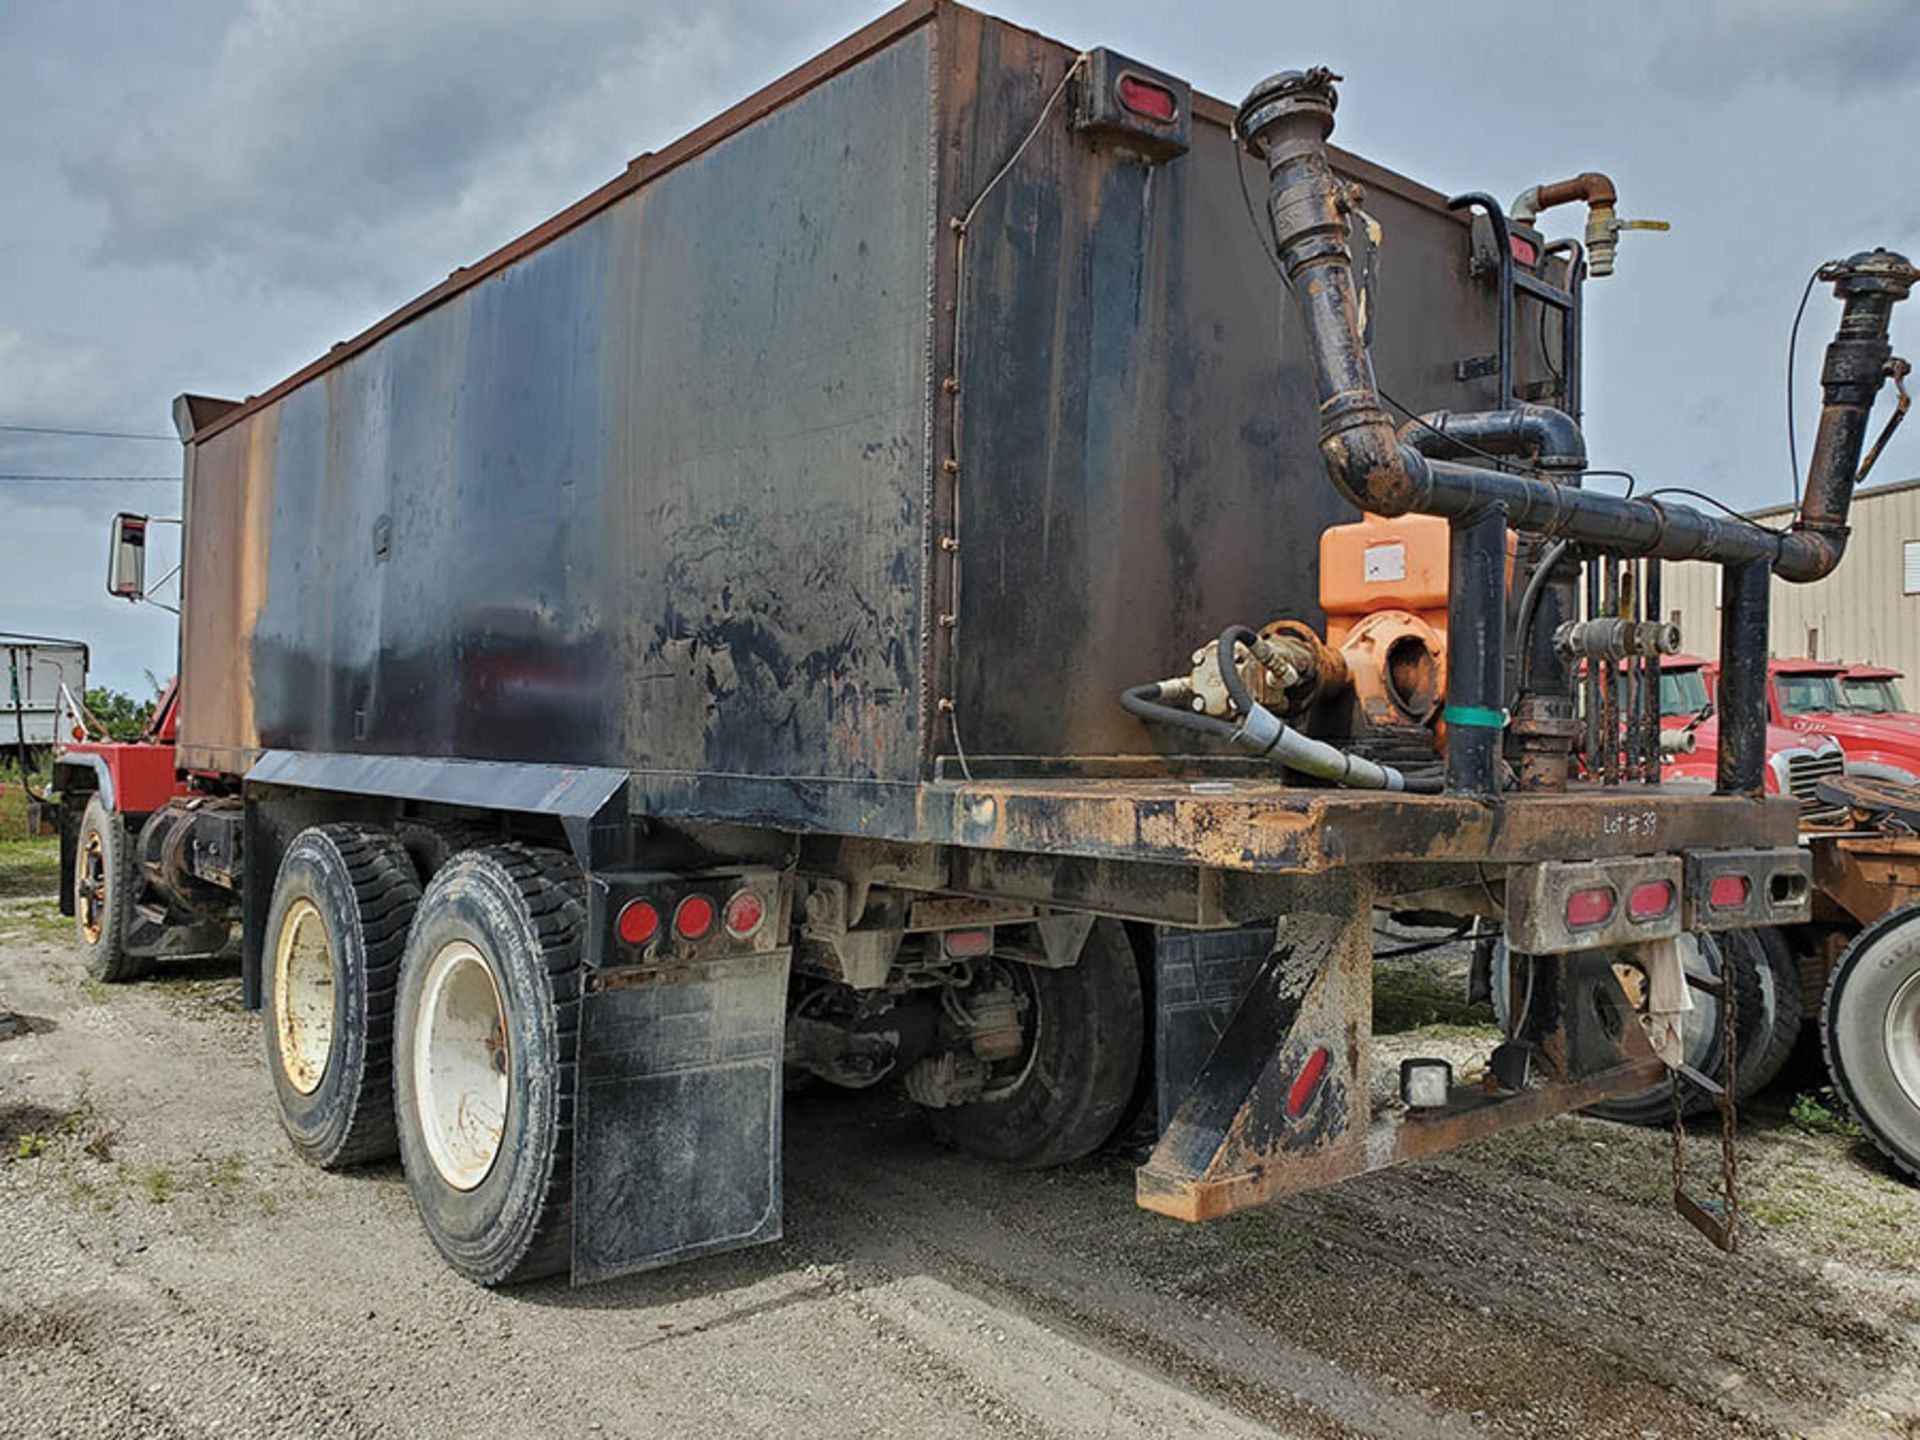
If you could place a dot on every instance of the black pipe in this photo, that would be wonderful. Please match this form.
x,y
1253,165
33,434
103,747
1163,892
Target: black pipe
x,y
1286,121
1650,734
1531,432
1476,651
1503,248
1742,690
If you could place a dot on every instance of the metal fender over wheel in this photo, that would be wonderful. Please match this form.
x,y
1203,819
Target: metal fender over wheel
x,y
1070,1087
335,931
103,882
1870,1026
488,1030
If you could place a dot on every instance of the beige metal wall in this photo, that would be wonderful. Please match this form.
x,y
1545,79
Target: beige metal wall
x,y
1859,611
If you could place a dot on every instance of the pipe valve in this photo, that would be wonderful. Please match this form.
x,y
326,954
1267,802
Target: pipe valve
x,y
1604,224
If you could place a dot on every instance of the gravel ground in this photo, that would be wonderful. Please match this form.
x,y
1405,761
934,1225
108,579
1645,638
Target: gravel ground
x,y
169,1269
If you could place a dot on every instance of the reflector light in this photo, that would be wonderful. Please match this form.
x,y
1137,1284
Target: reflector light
x,y
1727,891
1524,250
1306,1085
1649,900
1143,97
745,911
1588,908
694,918
968,944
639,922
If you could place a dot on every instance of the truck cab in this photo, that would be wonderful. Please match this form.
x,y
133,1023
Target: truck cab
x,y
1798,758
1807,697
1873,690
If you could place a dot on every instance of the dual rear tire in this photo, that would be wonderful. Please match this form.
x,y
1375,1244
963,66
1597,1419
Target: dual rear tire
x,y
438,1024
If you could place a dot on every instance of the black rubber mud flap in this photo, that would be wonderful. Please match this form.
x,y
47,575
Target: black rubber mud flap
x,y
1199,977
677,1138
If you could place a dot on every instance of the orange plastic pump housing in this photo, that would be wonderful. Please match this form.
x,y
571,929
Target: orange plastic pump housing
x,y
1381,564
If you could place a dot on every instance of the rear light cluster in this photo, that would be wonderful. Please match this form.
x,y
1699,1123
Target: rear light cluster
x,y
1594,906
695,915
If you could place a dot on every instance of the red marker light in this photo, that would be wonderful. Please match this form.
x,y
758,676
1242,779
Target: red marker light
x,y
1588,908
694,918
1143,97
1524,250
1306,1085
1727,891
745,911
639,922
1649,900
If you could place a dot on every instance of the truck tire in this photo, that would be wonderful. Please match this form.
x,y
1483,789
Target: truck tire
x,y
103,885
488,1028
430,844
1870,1029
336,928
1782,1003
1083,1056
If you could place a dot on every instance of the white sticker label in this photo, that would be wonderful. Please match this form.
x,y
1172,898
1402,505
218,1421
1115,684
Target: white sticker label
x,y
1385,562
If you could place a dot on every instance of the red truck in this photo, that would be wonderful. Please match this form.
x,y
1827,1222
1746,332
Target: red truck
x,y
1873,690
1798,757
1807,696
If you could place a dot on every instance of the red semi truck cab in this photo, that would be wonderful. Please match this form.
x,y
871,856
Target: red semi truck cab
x,y
1798,757
1873,690
1807,696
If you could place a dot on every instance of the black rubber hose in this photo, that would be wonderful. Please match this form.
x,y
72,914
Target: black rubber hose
x,y
1530,601
1144,701
1230,670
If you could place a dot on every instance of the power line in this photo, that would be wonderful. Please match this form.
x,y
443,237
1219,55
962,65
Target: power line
x,y
96,434
100,479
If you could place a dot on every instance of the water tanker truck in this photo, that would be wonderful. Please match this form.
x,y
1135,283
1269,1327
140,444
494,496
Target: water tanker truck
x,y
847,598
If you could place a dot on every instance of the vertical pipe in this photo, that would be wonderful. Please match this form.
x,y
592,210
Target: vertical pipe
x,y
1591,611
1650,612
1743,679
1476,650
1609,677
1633,680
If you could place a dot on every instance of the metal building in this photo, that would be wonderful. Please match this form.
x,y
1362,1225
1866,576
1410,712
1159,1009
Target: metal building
x,y
1867,611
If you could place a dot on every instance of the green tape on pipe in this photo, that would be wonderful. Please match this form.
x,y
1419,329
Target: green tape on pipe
x,y
1475,717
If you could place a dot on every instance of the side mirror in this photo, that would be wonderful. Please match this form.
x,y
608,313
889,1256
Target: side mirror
x,y
127,559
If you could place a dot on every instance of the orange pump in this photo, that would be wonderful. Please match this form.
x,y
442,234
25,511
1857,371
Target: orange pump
x,y
1382,564
1383,584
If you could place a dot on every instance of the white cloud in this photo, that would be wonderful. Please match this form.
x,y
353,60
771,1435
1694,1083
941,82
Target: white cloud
x,y
359,146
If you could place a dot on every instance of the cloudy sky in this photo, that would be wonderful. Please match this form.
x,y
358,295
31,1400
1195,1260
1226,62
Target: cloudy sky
x,y
205,194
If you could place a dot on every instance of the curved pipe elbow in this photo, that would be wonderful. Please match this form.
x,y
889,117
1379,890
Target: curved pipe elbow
x,y
1808,554
1536,432
1374,471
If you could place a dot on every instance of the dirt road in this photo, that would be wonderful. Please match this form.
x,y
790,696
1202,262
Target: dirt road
x,y
167,1268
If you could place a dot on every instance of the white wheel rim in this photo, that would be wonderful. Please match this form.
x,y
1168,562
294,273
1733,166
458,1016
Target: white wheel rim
x,y
1903,1037
460,1062
303,996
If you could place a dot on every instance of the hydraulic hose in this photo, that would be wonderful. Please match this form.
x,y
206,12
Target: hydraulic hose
x,y
1265,733
1286,122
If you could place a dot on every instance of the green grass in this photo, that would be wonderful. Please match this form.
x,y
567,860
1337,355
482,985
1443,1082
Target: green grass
x,y
29,868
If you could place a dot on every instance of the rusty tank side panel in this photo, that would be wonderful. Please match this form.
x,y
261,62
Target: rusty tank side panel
x,y
677,487
649,495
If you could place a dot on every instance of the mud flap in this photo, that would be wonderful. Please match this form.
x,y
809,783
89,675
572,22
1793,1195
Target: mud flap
x,y
1199,977
677,1123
